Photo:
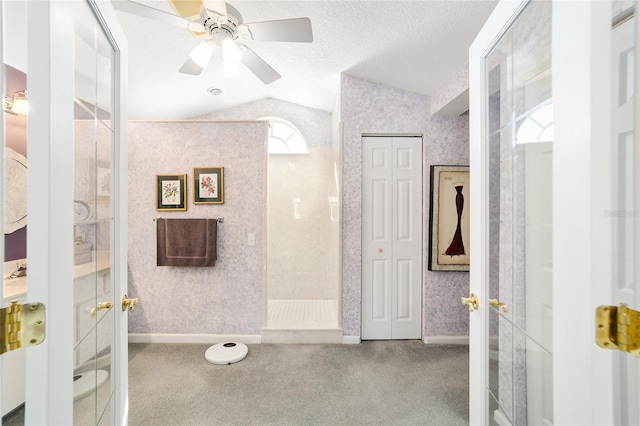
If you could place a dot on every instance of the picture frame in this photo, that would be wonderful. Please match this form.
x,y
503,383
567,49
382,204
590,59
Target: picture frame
x,y
100,173
208,185
171,192
449,219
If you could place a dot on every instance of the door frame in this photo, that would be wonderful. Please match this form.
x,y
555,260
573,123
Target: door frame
x,y
49,388
581,243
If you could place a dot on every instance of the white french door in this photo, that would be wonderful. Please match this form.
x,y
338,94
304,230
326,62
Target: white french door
x,y
554,173
391,237
73,57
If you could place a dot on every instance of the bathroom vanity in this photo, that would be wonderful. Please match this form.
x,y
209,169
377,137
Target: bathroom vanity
x,y
92,333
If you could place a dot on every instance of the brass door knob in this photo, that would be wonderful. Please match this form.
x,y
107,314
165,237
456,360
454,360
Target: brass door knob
x,y
470,302
379,250
497,304
129,303
100,306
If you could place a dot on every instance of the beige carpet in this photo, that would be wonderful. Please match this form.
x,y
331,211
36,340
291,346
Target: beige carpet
x,y
373,383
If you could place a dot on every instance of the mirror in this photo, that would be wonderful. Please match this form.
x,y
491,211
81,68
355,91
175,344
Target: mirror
x,y
15,148
16,197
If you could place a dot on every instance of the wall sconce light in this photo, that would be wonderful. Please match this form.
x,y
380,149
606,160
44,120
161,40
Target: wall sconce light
x,y
16,104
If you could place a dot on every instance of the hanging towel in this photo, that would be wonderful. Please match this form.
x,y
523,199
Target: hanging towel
x,y
187,242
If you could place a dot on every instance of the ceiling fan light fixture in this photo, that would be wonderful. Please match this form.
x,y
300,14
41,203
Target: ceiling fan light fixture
x,y
201,54
232,56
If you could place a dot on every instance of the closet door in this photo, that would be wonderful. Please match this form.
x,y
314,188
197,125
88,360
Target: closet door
x,y
391,237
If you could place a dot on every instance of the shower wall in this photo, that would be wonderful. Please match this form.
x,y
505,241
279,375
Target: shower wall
x,y
303,219
303,236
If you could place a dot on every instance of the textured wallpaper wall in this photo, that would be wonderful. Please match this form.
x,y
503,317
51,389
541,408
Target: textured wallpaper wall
x,y
368,107
225,299
228,299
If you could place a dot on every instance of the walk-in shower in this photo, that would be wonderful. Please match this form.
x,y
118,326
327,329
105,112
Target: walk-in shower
x,y
303,236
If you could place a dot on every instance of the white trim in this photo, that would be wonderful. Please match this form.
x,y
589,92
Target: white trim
x,y
49,391
213,338
2,186
582,394
351,340
446,340
392,135
193,338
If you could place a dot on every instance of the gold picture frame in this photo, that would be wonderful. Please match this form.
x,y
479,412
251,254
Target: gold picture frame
x,y
449,220
208,185
171,192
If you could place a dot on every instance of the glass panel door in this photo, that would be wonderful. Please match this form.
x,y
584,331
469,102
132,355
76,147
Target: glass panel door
x,y
519,163
75,83
93,156
13,250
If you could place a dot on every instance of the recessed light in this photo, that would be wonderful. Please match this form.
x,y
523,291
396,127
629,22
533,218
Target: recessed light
x,y
215,91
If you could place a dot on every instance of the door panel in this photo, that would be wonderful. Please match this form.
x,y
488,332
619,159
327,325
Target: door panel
x,y
392,238
93,152
380,291
84,35
514,186
377,227
580,245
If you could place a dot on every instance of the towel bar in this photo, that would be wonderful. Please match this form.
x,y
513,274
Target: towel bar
x,y
219,219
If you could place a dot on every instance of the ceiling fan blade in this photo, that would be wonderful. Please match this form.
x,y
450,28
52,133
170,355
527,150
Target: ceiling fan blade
x,y
139,9
217,9
186,8
198,59
295,30
258,66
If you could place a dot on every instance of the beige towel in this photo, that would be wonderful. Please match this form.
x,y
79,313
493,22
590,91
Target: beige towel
x,y
187,242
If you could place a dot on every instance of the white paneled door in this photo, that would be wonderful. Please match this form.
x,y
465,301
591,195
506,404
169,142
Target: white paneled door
x,y
391,237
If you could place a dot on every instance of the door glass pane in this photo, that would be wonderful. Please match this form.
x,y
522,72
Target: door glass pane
x,y
533,390
94,305
520,139
500,365
13,188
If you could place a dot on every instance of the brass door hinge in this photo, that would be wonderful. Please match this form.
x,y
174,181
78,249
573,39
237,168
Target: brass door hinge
x,y
21,326
618,328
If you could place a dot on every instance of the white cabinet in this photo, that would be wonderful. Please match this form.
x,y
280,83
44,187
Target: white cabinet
x,y
92,333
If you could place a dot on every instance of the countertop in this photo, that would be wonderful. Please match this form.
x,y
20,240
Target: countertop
x,y
16,287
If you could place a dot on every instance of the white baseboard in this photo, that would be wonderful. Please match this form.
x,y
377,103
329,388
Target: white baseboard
x,y
212,338
193,338
446,340
350,340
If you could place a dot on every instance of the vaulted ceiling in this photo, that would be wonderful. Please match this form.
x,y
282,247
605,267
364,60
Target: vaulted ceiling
x,y
410,45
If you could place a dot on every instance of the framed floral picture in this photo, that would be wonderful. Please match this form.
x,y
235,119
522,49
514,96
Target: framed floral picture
x,y
171,192
208,185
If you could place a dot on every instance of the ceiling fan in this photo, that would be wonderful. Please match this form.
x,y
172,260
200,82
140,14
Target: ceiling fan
x,y
221,27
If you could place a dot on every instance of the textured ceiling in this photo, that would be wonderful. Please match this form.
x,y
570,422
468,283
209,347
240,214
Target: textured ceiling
x,y
412,45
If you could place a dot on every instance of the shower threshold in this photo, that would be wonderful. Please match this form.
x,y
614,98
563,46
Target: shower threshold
x,y
302,321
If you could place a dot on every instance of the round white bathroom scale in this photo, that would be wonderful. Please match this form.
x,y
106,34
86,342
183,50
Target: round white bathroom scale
x,y
226,353
87,382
